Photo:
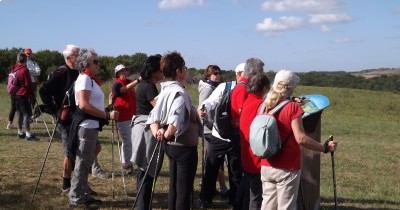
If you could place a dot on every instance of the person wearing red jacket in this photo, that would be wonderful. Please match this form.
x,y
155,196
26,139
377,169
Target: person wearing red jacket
x,y
23,96
124,101
258,86
252,67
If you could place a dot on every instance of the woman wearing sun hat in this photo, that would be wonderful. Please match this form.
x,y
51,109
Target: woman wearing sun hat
x,y
124,101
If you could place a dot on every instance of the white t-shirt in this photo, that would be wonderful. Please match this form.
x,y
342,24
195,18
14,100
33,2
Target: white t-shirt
x,y
84,82
34,70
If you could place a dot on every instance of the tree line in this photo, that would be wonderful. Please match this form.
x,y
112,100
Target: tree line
x,y
49,60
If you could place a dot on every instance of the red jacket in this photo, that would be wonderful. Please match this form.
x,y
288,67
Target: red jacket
x,y
23,80
250,162
239,95
124,103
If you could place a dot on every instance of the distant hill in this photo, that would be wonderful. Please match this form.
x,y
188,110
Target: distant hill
x,y
371,73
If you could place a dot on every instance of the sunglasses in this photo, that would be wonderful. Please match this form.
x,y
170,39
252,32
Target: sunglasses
x,y
217,73
96,62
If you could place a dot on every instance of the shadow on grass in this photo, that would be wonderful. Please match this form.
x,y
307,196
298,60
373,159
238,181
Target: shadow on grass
x,y
345,203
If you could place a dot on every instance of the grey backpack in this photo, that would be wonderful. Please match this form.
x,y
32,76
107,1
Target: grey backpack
x,y
265,140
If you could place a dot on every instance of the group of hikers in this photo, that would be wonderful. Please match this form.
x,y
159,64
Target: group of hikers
x,y
148,119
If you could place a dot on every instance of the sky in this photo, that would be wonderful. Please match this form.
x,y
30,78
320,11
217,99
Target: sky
x,y
298,35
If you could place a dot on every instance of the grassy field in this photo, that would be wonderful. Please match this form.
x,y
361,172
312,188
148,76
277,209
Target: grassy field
x,y
366,123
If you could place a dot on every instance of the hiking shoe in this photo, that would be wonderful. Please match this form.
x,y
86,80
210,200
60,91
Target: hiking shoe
x,y
90,204
101,174
21,135
31,138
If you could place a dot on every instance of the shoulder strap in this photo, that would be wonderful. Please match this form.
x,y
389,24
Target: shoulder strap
x,y
278,107
261,108
228,86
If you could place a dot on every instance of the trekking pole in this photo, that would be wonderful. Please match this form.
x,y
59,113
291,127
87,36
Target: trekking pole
x,y
146,172
44,162
112,159
120,159
333,175
203,108
155,176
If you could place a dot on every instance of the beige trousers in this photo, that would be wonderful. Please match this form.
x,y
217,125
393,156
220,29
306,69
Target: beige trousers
x,y
280,188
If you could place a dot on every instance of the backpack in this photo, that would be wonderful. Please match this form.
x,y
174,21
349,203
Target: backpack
x,y
12,82
265,140
222,122
68,106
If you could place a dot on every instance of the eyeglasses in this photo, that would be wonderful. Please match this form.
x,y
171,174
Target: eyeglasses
x,y
96,62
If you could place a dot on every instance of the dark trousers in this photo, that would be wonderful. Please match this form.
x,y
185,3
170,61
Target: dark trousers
x,y
25,111
182,170
143,199
250,192
13,109
216,151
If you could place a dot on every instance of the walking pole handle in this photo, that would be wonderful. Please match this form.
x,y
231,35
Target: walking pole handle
x,y
331,139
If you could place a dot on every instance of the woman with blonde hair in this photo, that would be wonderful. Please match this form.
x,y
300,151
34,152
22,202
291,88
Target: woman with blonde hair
x,y
280,174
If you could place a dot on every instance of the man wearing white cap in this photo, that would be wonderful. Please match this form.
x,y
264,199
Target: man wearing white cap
x,y
124,101
218,147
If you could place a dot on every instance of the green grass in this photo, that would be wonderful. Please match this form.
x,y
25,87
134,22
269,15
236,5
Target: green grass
x,y
366,124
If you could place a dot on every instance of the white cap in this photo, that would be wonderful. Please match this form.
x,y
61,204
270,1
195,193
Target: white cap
x,y
287,77
240,67
119,68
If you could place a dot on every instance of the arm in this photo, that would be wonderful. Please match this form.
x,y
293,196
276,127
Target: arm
x,y
85,106
129,86
308,142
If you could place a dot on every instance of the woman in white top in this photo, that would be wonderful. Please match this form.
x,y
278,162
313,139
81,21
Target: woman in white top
x,y
86,124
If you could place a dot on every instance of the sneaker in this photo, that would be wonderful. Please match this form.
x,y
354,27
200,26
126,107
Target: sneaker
x,y
31,138
101,174
90,204
21,135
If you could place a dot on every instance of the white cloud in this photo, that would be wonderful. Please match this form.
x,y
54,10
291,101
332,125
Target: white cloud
x,y
177,4
301,5
329,18
282,24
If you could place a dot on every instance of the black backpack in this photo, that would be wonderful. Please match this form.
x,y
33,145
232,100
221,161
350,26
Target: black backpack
x,y
222,115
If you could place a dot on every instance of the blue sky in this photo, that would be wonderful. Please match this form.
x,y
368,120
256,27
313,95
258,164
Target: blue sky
x,y
300,35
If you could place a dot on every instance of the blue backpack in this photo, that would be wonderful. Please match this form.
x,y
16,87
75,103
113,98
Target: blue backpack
x,y
265,140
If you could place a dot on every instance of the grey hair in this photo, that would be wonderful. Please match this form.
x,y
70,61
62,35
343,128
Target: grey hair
x,y
84,57
253,66
68,50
